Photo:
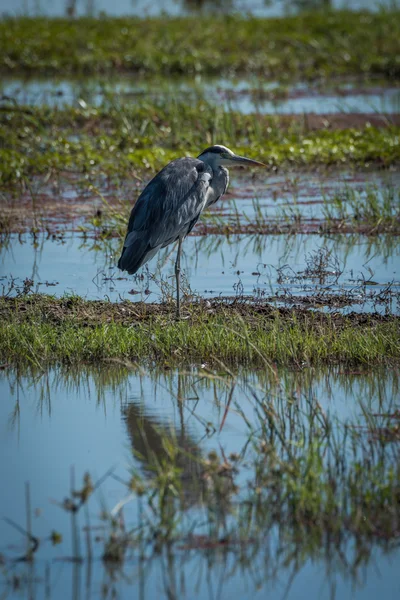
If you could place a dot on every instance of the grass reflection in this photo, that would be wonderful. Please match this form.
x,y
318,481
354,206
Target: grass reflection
x,y
306,481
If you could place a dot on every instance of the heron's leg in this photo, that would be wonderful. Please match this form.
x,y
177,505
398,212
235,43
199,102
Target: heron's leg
x,y
177,276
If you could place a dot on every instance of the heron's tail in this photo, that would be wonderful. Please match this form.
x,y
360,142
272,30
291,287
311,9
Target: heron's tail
x,y
130,260
135,255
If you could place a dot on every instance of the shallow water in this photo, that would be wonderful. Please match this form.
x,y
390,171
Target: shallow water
x,y
295,194
243,95
92,419
210,575
214,265
276,199
171,7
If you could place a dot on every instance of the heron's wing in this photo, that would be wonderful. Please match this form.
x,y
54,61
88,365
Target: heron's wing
x,y
167,208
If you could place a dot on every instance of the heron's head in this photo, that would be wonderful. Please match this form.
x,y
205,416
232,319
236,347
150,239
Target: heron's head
x,y
217,155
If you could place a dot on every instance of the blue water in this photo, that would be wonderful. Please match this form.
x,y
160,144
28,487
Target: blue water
x,y
240,95
212,266
171,7
208,576
52,421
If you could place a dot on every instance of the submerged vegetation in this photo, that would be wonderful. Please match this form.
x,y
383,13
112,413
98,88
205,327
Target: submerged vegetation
x,y
117,141
318,44
42,330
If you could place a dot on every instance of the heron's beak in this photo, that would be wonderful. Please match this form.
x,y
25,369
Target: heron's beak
x,y
242,160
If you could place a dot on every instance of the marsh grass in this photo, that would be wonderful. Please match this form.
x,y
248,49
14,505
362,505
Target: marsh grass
x,y
372,211
283,48
373,206
108,144
100,215
43,330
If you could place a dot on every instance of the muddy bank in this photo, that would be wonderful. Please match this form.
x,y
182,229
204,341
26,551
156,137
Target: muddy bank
x,y
89,313
341,121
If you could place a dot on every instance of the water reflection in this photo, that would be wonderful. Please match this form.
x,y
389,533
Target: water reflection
x,y
91,417
215,574
153,440
153,394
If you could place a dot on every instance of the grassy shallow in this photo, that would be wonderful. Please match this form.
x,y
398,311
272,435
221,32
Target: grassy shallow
x,y
303,483
118,141
42,330
306,46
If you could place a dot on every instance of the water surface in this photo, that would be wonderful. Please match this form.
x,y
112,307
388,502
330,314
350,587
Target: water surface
x,y
93,419
53,8
252,95
213,266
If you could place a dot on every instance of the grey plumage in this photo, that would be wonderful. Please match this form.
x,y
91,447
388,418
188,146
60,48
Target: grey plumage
x,y
171,204
167,209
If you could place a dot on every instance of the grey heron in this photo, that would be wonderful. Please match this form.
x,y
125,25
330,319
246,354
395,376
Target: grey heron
x,y
171,204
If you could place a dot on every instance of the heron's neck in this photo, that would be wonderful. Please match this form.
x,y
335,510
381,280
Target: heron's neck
x,y
218,185
220,173
220,180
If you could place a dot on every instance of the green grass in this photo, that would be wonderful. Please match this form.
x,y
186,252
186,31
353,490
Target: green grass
x,y
374,207
43,330
306,46
373,211
118,142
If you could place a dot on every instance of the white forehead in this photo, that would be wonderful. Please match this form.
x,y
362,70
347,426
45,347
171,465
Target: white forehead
x,y
215,153
223,148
